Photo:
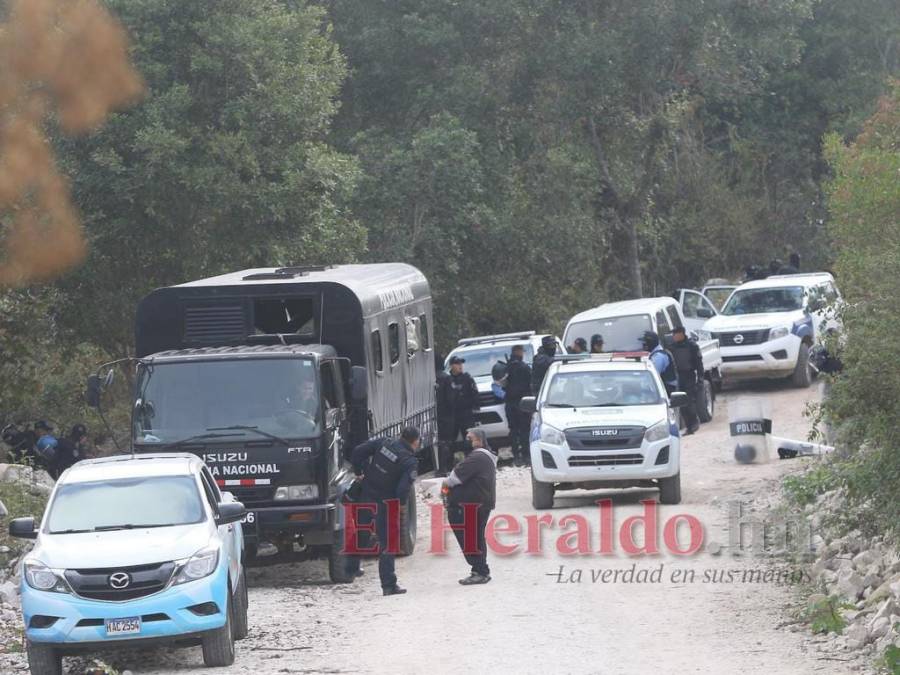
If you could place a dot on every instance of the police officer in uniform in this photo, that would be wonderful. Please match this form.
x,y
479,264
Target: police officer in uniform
x,y
518,386
456,402
542,362
689,364
596,343
661,359
387,469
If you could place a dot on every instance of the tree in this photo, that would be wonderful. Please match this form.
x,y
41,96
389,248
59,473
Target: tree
x,y
225,165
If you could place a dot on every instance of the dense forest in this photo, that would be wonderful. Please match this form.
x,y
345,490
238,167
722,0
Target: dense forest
x,y
533,157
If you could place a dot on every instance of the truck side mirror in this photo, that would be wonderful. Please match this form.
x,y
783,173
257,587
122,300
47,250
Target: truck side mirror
x,y
678,399
231,512
528,405
359,383
23,528
705,313
92,392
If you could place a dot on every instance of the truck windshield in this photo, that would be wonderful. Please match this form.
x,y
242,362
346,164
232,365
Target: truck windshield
x,y
620,333
480,361
764,301
124,504
602,388
176,401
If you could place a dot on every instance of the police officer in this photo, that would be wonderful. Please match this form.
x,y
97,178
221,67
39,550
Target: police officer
x,y
596,343
579,346
387,469
46,448
457,400
689,364
518,385
542,361
661,359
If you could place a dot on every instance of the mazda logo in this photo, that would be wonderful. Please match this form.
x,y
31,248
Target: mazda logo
x,y
119,580
738,339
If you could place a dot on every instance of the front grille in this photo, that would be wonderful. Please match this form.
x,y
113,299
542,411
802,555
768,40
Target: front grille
x,y
252,496
143,580
487,398
745,357
750,337
606,460
590,438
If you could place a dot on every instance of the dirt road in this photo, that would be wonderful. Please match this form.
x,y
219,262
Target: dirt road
x,y
524,621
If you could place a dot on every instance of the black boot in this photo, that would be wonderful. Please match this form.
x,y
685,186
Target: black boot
x,y
393,590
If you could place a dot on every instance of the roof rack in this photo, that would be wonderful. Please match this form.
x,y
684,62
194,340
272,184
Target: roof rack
x,y
799,274
606,357
287,272
524,335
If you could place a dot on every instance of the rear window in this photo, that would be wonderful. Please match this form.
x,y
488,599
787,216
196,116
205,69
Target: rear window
x,y
620,333
480,361
394,342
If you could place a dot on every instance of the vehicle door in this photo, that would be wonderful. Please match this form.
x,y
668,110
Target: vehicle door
x,y
696,308
229,533
334,414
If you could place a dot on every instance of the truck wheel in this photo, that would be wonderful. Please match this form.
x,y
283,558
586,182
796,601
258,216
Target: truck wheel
x,y
670,490
706,401
541,494
337,561
43,660
251,552
802,376
408,526
218,645
241,622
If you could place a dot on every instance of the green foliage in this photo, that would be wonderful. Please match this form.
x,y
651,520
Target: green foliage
x,y
824,616
891,659
802,489
21,501
864,200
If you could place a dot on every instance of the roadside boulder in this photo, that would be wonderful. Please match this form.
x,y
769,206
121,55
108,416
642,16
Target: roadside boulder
x,y
850,585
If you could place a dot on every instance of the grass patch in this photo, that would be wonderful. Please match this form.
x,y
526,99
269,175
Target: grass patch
x,y
804,488
824,616
20,499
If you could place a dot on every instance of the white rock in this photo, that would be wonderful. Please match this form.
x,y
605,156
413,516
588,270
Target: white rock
x,y
888,608
864,560
856,635
850,585
9,593
879,628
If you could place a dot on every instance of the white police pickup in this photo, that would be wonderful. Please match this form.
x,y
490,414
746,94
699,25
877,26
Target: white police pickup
x,y
604,421
767,327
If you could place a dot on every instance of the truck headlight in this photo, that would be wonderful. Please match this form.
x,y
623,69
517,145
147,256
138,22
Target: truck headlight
x,y
704,335
552,435
296,492
42,578
776,333
200,565
657,432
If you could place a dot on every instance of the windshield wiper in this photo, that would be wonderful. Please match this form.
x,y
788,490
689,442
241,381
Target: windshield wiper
x,y
70,531
198,437
247,427
560,405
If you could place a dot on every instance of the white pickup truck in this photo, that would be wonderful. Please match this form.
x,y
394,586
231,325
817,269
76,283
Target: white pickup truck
x,y
623,323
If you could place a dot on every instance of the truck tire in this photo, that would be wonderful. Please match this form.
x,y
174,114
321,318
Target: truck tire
x,y
251,552
802,376
241,621
706,401
43,659
218,645
408,526
337,561
670,489
541,494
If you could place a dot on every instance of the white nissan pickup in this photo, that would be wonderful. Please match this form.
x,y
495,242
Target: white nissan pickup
x,y
604,421
767,327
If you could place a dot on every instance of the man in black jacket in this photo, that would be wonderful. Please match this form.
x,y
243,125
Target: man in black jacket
x,y
472,496
518,386
689,364
387,469
542,362
456,401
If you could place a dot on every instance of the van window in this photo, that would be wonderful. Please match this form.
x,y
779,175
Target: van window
x,y
284,315
394,342
328,389
662,326
674,319
412,336
424,338
377,355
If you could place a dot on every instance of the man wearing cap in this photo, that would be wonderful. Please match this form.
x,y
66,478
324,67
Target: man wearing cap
x,y
596,343
541,363
579,346
689,364
518,386
457,400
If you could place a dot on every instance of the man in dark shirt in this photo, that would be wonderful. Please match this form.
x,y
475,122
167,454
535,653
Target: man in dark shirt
x,y
689,365
387,469
473,482
518,385
456,400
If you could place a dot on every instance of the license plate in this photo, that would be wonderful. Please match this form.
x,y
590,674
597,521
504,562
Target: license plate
x,y
249,519
128,626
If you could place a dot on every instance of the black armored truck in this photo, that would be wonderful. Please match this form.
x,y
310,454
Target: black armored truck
x,y
273,375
